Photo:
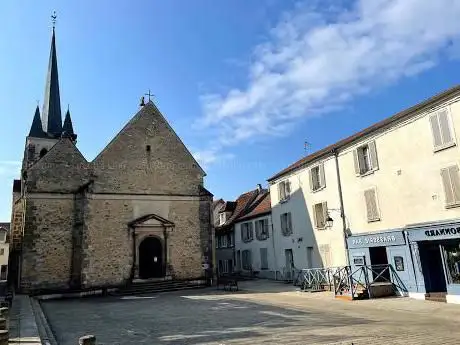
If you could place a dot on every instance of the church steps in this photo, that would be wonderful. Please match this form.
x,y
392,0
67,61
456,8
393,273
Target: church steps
x,y
159,286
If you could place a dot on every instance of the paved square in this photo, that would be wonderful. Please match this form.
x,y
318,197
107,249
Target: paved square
x,y
255,316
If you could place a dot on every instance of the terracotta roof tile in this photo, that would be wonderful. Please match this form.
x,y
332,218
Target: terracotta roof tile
x,y
377,126
262,205
241,204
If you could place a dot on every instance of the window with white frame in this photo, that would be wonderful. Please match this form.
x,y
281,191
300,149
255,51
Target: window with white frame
x,y
320,215
225,266
372,208
263,259
286,223
451,182
365,158
221,218
441,129
284,190
317,178
247,232
246,259
262,229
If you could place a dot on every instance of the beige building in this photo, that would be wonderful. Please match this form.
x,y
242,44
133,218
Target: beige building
x,y
138,210
398,179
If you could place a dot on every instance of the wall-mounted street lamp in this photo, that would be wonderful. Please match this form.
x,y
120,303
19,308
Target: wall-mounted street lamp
x,y
329,219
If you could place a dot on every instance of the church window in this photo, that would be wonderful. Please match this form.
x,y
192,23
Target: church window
x,y
43,152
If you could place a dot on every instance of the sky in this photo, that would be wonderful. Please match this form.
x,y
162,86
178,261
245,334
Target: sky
x,y
244,83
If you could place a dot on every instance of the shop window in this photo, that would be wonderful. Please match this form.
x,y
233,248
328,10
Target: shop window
x,y
453,262
399,263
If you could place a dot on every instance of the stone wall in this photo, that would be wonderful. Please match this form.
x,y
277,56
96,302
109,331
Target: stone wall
x,y
47,244
147,157
63,169
107,244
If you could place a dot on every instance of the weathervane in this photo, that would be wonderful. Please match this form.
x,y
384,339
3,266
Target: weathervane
x,y
53,19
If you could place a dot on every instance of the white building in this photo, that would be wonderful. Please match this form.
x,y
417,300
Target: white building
x,y
254,246
393,188
4,250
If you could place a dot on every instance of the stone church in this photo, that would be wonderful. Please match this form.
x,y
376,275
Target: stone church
x,y
139,210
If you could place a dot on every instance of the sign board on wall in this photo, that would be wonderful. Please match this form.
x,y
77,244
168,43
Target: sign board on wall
x,y
382,239
434,232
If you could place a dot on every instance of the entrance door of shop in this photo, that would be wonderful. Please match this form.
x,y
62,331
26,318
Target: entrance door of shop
x,y
378,256
432,267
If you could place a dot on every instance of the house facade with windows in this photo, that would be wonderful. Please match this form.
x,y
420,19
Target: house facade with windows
x,y
394,198
226,218
254,246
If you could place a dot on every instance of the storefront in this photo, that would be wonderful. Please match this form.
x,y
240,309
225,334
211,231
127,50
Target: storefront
x,y
383,248
435,248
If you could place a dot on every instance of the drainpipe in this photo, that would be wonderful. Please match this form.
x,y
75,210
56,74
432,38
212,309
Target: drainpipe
x,y
342,211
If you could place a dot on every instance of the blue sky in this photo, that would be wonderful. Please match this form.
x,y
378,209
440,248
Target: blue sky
x,y
243,82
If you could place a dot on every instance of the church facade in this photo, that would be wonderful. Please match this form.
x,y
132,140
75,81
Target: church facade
x,y
139,210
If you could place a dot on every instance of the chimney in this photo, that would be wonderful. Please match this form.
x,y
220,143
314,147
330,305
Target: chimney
x,y
259,187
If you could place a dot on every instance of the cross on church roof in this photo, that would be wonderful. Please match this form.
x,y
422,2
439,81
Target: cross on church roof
x,y
150,95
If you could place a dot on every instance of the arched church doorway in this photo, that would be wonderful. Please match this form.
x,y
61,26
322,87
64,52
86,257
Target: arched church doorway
x,y
150,258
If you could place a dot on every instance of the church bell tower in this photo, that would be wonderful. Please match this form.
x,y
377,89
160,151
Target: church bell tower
x,y
47,128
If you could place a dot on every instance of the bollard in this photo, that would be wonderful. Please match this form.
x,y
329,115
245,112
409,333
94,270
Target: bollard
x,y
4,337
86,340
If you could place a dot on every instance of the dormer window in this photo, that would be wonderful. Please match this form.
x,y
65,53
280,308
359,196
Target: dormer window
x,y
221,218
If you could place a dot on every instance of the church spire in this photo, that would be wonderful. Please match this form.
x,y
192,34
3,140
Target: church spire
x,y
36,128
51,115
67,128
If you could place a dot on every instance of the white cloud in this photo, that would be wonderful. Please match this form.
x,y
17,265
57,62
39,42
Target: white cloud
x,y
208,157
318,58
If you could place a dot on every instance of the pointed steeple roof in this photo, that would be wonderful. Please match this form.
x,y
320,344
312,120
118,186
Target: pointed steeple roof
x,y
36,128
67,128
51,115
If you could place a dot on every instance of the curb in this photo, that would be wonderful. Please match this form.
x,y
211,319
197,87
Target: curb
x,y
44,329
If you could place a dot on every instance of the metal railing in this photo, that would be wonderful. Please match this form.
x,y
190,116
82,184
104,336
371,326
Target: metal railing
x,y
317,279
357,282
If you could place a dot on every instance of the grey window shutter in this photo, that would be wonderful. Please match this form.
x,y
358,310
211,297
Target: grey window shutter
x,y
310,175
356,161
324,207
266,228
455,181
251,231
288,187
289,222
371,205
322,177
435,130
446,135
283,223
315,218
448,191
243,232
280,190
373,155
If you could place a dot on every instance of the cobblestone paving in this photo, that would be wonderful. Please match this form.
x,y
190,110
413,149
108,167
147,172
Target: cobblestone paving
x,y
252,317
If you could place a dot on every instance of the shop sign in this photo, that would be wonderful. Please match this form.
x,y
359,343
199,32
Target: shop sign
x,y
442,232
377,240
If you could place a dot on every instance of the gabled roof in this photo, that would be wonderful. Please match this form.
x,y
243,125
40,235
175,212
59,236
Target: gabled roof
x,y
217,203
401,116
242,203
261,206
